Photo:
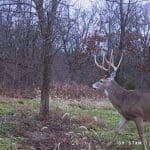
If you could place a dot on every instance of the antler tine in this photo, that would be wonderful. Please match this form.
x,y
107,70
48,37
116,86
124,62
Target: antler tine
x,y
103,60
111,62
112,57
120,61
100,66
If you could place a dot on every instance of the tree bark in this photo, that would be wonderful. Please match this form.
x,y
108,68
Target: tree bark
x,y
119,75
46,24
46,81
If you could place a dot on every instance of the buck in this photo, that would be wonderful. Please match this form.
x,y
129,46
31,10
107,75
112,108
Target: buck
x,y
133,105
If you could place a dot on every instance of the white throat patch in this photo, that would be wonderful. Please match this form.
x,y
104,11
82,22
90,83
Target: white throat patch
x,y
106,93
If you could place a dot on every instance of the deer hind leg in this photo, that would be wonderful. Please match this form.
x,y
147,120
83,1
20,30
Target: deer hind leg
x,y
140,127
120,127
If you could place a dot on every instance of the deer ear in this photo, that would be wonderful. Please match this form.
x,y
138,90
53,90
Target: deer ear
x,y
113,75
102,80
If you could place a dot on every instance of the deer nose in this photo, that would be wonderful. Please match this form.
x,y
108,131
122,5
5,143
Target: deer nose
x,y
94,86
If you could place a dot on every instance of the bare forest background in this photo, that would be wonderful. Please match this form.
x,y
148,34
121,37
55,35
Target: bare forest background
x,y
44,43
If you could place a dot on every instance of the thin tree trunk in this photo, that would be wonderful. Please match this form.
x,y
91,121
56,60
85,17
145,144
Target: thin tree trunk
x,y
44,105
46,81
46,24
119,75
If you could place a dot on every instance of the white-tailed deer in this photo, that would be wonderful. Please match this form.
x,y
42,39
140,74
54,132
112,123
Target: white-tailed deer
x,y
132,105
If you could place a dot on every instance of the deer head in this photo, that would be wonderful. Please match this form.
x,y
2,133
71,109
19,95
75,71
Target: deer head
x,y
105,82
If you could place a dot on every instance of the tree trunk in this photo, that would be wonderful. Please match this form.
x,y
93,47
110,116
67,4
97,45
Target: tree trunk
x,y
46,24
46,82
44,105
119,75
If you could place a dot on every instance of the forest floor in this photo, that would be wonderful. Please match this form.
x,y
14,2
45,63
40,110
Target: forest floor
x,y
72,125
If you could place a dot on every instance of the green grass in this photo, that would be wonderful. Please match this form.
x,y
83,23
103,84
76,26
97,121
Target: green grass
x,y
9,129
8,135
8,108
8,143
111,118
105,131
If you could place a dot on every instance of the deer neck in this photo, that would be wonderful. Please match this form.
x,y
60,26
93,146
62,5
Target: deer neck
x,y
115,93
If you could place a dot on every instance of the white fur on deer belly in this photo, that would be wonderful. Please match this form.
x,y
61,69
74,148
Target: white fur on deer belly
x,y
106,93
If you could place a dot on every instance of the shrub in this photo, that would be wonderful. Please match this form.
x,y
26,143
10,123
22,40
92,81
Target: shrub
x,y
129,85
68,90
73,90
28,93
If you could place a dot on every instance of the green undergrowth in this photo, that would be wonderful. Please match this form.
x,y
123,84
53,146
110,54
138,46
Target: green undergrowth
x,y
105,125
9,143
9,126
100,123
10,107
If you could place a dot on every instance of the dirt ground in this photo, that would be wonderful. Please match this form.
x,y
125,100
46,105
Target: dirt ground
x,y
58,132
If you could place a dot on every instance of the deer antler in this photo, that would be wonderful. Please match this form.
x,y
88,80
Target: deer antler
x,y
100,66
110,62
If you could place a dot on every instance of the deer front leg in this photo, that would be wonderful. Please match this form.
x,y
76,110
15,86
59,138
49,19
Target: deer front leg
x,y
120,127
140,127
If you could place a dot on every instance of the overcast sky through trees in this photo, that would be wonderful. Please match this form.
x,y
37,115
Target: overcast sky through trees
x,y
87,3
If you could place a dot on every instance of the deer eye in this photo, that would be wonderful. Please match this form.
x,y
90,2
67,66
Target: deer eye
x,y
101,81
